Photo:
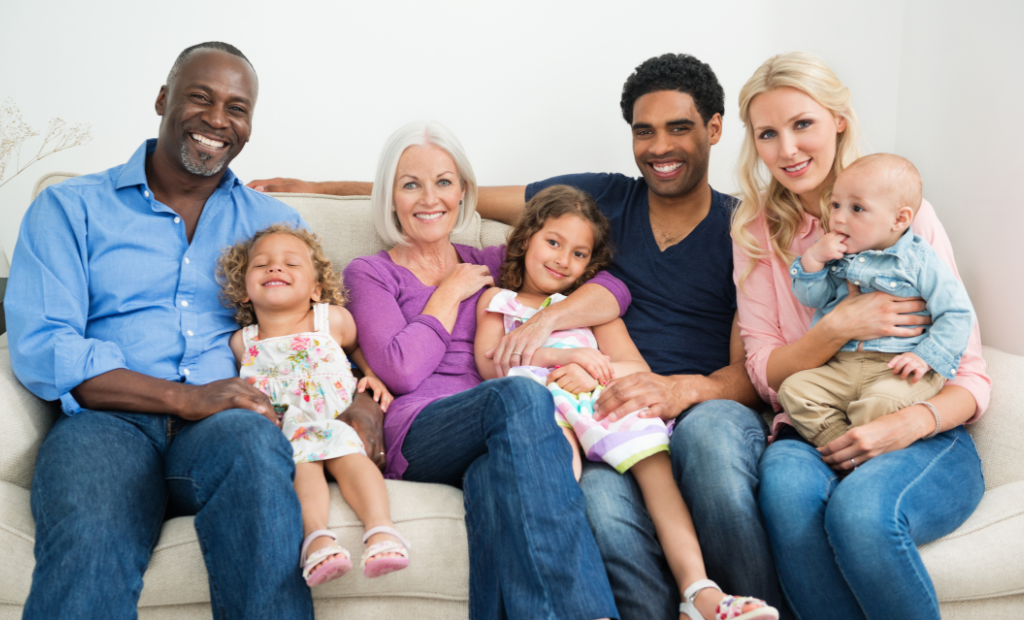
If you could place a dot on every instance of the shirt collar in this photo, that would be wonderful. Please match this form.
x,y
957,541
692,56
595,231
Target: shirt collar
x,y
134,172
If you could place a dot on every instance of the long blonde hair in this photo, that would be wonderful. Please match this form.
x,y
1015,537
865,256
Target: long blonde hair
x,y
760,192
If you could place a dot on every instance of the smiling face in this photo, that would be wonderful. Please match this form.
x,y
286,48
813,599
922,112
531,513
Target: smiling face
x,y
207,111
867,210
280,274
796,138
558,254
426,193
671,143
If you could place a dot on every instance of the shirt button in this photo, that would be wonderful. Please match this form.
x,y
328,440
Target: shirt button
x,y
177,220
187,261
833,267
792,271
952,372
184,303
187,373
855,284
189,332
892,285
146,193
860,260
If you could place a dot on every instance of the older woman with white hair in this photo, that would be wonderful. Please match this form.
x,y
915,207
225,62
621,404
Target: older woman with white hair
x,y
531,552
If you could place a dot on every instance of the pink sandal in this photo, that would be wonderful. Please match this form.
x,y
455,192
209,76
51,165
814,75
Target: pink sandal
x,y
383,566
328,569
730,607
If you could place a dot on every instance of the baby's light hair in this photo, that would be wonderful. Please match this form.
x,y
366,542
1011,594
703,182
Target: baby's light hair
x,y
234,263
901,177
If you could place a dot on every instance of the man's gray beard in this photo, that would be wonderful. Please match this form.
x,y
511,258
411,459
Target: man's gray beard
x,y
203,166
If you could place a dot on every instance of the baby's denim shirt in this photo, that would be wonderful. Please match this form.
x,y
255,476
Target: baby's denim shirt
x,y
910,268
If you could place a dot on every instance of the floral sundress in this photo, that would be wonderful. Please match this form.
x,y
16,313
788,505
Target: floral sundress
x,y
620,444
308,378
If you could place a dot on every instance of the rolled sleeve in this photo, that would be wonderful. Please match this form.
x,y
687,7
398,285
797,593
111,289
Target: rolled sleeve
x,y
47,304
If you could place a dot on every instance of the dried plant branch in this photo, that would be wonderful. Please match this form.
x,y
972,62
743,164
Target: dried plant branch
x,y
14,132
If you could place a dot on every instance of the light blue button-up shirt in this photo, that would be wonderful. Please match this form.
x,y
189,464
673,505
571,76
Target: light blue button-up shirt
x,y
910,268
103,277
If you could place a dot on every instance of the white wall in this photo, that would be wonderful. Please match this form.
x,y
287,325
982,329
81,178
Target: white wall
x,y
960,121
531,87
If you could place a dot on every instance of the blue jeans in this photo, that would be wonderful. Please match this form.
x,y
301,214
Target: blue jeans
x,y
104,482
715,449
531,554
847,547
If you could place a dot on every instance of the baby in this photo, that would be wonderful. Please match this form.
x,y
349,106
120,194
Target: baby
x,y
871,246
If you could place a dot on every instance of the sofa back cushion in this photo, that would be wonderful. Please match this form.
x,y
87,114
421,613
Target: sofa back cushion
x,y
999,433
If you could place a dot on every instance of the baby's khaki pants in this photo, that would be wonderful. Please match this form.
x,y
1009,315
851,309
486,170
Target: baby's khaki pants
x,y
852,389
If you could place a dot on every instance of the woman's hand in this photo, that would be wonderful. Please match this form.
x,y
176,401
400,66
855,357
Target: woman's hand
x,y
868,316
464,280
573,379
378,389
885,434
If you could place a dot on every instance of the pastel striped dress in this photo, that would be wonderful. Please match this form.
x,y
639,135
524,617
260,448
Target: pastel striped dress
x,y
620,444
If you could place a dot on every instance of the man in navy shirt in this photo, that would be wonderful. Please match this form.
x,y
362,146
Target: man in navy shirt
x,y
672,249
113,310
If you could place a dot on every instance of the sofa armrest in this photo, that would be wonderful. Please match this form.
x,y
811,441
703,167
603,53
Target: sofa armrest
x,y
26,419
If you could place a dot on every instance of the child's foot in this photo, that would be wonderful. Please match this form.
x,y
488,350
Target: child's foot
x,y
386,551
712,604
322,558
708,600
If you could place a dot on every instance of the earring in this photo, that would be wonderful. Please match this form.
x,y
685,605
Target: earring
x,y
460,203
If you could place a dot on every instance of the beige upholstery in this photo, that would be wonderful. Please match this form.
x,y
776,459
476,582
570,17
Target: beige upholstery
x,y
978,570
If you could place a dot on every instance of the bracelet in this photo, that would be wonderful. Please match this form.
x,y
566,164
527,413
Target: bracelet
x,y
935,412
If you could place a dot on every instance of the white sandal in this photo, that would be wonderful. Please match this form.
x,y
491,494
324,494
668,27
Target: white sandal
x,y
730,607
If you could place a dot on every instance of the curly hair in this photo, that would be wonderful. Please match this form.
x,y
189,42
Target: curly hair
x,y
680,72
554,202
234,263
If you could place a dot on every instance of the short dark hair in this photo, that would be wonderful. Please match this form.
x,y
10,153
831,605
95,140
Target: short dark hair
x,y
554,202
209,45
680,72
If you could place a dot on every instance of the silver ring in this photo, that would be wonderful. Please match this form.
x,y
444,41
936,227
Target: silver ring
x,y
518,353
382,453
854,462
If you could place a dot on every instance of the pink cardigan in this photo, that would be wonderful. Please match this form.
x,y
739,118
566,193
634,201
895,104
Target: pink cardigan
x,y
770,316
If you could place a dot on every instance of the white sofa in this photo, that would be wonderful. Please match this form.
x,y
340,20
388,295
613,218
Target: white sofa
x,y
978,570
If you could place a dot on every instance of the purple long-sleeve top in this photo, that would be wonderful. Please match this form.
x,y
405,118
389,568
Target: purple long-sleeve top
x,y
413,353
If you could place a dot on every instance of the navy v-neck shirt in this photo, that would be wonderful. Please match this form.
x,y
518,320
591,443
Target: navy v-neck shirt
x,y
684,298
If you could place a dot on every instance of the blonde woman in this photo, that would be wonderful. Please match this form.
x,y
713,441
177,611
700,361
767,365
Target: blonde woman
x,y
844,521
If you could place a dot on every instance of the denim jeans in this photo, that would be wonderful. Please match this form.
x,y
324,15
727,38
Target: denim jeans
x,y
715,449
104,482
531,554
847,547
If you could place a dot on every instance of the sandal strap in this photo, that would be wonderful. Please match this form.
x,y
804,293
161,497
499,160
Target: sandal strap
x,y
309,540
385,529
388,546
701,584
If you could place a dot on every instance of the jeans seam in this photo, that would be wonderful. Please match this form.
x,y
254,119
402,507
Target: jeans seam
x,y
895,515
528,534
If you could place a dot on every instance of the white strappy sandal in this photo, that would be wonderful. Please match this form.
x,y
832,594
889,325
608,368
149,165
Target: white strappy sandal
x,y
730,608
383,566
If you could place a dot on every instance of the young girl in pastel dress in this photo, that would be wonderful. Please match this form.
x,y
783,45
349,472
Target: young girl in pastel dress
x,y
560,243
292,348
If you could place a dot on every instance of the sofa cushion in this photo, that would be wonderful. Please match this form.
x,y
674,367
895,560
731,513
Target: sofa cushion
x,y
998,434
984,557
431,516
